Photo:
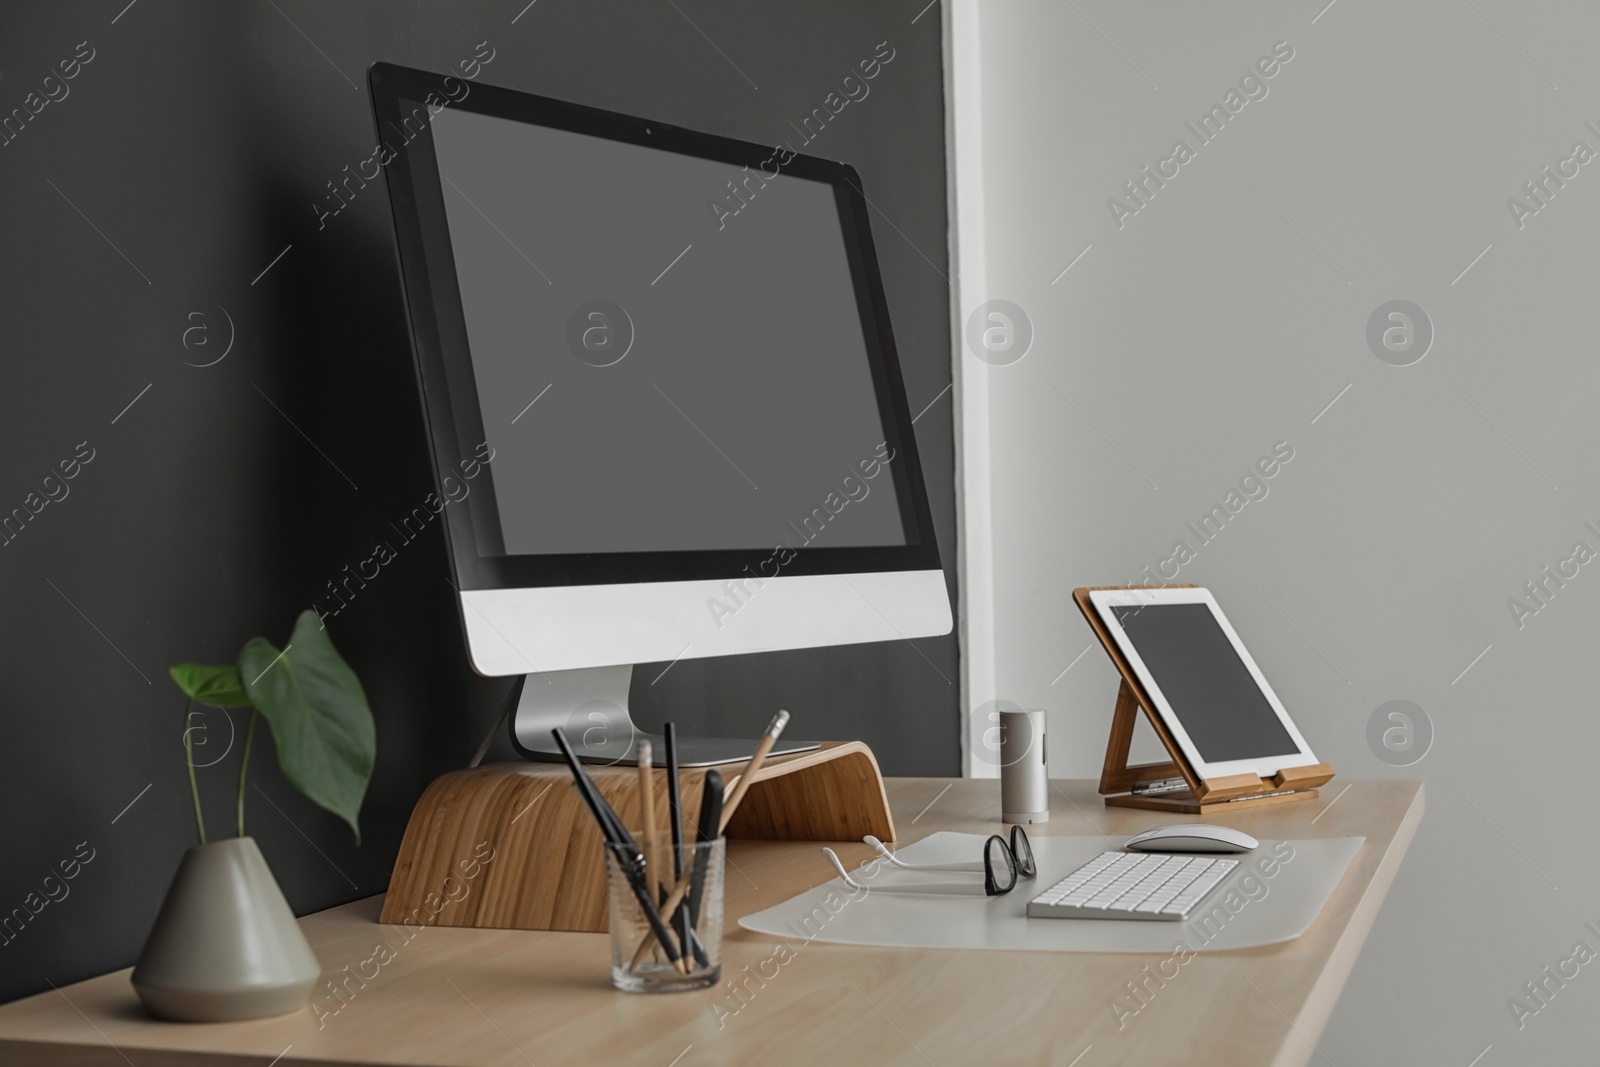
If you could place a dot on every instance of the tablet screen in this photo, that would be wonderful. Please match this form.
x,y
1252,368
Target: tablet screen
x,y
1208,686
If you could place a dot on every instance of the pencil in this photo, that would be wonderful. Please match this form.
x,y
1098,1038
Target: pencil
x,y
647,813
770,738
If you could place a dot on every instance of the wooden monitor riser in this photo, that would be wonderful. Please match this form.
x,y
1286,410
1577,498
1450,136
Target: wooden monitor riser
x,y
511,845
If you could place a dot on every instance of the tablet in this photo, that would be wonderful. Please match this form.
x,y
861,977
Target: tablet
x,y
1202,681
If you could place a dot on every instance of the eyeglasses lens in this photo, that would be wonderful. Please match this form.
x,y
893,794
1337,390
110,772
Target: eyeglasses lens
x,y
1022,849
1002,870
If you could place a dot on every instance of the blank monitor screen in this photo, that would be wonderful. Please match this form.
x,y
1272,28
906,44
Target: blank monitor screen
x,y
1209,687
657,373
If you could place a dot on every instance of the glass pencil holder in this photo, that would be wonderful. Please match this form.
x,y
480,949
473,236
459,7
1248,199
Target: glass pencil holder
x,y
688,909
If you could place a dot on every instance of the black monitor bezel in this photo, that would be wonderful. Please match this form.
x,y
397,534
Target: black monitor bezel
x,y
442,356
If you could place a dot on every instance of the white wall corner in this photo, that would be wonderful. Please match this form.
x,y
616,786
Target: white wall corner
x,y
970,395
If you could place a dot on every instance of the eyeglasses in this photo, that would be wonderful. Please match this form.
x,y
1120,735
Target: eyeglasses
x,y
1002,864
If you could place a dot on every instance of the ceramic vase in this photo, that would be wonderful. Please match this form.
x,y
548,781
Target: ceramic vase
x,y
225,945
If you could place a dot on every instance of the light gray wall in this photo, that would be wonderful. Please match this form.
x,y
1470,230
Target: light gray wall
x,y
1224,317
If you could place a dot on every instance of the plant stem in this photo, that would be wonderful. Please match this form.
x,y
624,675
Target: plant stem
x,y
249,736
194,788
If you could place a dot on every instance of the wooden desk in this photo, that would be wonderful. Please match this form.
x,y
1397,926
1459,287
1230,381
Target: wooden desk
x,y
512,998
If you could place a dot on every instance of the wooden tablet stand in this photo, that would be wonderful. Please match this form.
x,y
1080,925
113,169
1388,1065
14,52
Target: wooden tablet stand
x,y
1204,796
512,846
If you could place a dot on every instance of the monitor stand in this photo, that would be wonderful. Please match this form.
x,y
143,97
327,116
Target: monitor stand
x,y
591,707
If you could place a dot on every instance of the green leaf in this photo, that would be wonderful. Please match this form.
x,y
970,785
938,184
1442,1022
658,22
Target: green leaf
x,y
219,687
319,716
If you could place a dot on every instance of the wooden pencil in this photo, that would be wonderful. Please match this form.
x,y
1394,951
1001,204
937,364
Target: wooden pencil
x,y
770,738
647,813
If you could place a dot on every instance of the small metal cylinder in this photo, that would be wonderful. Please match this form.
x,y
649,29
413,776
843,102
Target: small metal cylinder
x,y
1024,776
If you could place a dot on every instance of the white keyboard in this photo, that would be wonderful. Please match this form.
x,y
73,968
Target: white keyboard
x,y
1132,885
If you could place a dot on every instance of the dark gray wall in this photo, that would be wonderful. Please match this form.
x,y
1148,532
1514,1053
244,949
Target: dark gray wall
x,y
186,155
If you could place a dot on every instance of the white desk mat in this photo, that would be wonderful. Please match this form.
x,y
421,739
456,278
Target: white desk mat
x,y
1251,907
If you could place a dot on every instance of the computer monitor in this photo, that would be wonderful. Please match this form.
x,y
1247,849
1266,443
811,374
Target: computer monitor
x,y
663,398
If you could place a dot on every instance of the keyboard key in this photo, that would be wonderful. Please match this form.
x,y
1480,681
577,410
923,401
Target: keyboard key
x,y
1128,885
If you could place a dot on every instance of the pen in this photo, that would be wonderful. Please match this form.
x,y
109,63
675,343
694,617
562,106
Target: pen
x,y
674,799
710,819
682,924
586,790
629,858
619,832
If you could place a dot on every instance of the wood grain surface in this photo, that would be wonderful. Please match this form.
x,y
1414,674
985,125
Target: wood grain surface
x,y
509,998
547,867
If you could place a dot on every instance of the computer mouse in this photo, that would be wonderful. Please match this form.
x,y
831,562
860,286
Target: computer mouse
x,y
1192,837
